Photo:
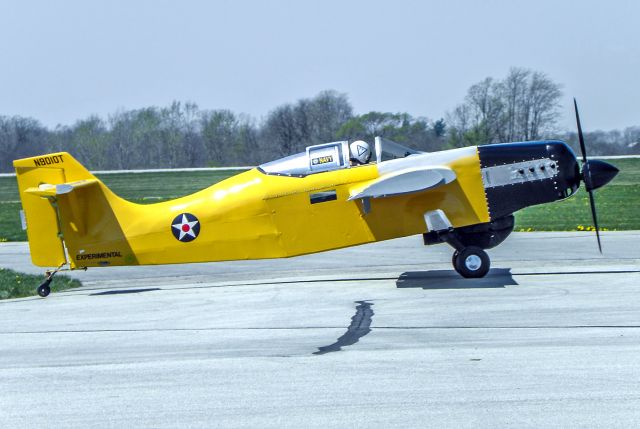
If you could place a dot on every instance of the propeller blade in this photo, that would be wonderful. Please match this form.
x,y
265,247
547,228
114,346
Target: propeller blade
x,y
595,219
583,149
586,175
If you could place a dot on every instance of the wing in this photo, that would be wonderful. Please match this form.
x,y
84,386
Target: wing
x,y
404,182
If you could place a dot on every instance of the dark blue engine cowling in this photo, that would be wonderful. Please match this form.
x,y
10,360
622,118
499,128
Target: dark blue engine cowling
x,y
518,175
507,199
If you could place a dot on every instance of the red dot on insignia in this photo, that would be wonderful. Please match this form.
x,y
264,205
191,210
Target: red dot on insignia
x,y
185,228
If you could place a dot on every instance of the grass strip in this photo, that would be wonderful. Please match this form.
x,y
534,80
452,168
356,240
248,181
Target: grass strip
x,y
19,285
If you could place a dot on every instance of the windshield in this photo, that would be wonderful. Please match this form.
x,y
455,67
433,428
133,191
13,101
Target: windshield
x,y
331,156
387,149
292,165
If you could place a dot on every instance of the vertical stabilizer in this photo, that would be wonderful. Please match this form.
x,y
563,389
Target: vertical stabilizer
x,y
41,212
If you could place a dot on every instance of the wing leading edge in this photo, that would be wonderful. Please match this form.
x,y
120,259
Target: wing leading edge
x,y
47,190
404,182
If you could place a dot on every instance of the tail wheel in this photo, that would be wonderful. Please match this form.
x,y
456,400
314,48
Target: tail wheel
x,y
44,289
471,262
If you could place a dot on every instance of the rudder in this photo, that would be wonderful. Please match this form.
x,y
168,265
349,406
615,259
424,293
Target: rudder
x,y
39,179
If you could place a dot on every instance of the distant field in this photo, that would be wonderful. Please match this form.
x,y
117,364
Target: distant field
x,y
618,203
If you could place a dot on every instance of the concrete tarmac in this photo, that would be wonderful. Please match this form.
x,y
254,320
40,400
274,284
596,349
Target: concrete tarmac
x,y
382,335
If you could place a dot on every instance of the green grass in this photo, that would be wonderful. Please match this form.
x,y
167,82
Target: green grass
x,y
618,203
19,285
10,228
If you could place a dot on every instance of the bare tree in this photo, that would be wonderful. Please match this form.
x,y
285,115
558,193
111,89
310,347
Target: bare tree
x,y
523,106
291,127
20,137
513,93
542,105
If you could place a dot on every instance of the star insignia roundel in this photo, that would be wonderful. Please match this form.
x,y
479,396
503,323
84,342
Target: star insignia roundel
x,y
185,227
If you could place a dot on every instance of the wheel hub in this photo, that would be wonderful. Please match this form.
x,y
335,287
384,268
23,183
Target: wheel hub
x,y
473,262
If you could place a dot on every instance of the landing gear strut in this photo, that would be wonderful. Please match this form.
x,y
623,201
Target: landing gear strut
x,y
469,259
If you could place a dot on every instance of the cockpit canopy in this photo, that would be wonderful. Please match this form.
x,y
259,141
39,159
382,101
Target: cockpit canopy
x,y
331,156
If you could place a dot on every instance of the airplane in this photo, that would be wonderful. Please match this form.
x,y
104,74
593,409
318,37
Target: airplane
x,y
313,201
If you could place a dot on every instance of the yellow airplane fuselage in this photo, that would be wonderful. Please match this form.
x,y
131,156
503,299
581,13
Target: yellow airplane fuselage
x,y
252,215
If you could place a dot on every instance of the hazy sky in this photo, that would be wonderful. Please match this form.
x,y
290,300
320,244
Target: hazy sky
x,y
64,60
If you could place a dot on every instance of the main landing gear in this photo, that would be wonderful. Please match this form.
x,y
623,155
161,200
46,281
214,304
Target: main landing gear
x,y
471,262
469,259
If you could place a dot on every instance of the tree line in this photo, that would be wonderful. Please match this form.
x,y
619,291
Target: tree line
x,y
523,106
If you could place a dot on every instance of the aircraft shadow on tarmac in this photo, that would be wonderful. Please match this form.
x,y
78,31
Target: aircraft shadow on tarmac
x,y
447,279
124,291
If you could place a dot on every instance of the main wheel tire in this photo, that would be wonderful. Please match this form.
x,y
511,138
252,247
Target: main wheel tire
x,y
44,290
472,262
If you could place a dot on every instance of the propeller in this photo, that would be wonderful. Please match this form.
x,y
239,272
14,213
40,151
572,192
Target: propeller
x,y
594,175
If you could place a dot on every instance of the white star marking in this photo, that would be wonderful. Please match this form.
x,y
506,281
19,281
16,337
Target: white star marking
x,y
185,227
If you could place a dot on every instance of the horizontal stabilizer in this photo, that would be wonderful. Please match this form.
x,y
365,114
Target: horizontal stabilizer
x,y
47,190
405,182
